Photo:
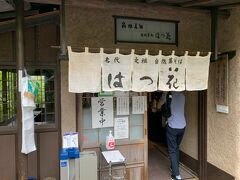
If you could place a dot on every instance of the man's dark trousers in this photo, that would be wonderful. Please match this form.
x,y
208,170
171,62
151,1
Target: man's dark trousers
x,y
174,138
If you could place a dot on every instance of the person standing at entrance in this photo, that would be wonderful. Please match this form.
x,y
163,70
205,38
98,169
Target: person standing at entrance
x,y
175,128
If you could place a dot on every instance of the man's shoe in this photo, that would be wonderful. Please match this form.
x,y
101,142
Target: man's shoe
x,y
175,177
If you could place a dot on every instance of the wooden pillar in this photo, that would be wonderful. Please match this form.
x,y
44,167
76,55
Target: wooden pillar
x,y
62,30
202,148
202,131
214,31
21,164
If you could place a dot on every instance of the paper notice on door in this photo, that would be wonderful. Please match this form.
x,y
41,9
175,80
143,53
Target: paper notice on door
x,y
121,128
122,105
138,104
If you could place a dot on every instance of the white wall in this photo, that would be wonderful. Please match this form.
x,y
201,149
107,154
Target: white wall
x,y
224,129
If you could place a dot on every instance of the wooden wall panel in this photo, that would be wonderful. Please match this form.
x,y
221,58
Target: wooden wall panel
x,y
29,44
133,153
6,49
49,153
47,38
136,173
133,173
7,157
32,161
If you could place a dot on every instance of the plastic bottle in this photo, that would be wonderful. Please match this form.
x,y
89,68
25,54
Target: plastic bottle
x,y
110,141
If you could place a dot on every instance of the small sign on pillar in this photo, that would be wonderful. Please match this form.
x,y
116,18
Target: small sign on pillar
x,y
221,84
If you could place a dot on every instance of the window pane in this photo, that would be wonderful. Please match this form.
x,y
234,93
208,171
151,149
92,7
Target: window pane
x,y
87,118
103,133
90,136
137,119
136,132
8,97
45,100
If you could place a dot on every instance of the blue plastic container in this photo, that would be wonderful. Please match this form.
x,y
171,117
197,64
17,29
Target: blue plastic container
x,y
73,153
64,154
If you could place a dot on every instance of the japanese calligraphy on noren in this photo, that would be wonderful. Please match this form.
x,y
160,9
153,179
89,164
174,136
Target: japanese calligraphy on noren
x,y
145,73
115,75
129,29
140,73
102,112
172,73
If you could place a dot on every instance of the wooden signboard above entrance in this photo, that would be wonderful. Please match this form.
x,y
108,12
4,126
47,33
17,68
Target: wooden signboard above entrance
x,y
143,30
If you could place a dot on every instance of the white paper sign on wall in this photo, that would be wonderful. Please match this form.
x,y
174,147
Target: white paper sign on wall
x,y
70,140
138,104
121,128
102,112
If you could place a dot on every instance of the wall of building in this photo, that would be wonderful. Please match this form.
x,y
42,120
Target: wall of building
x,y
68,104
42,163
189,144
91,24
224,129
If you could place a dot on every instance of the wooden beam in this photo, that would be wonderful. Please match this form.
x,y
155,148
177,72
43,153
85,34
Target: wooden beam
x,y
50,17
214,32
117,4
58,2
229,6
231,54
151,1
62,31
5,6
8,15
197,3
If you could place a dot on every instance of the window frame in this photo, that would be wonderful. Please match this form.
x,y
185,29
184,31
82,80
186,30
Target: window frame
x,y
5,130
53,126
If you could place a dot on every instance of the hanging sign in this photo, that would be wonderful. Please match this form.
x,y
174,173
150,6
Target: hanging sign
x,y
172,73
115,75
145,73
221,84
139,73
84,71
143,30
102,112
197,68
27,107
